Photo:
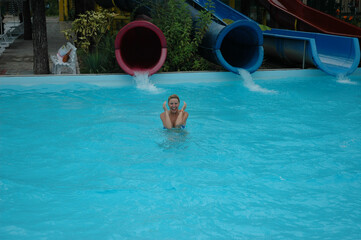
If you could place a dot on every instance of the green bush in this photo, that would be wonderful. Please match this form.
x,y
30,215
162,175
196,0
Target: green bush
x,y
95,42
89,28
173,17
101,61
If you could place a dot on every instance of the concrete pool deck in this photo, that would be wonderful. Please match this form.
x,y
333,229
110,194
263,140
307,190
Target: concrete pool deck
x,y
47,81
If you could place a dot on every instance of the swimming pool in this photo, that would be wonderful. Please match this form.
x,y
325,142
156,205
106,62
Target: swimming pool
x,y
86,158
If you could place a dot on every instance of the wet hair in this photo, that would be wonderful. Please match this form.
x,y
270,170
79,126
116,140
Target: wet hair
x,y
173,96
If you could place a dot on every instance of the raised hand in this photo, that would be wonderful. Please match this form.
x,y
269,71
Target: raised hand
x,y
165,106
184,106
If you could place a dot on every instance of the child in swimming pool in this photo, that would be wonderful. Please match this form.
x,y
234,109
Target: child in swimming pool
x,y
174,118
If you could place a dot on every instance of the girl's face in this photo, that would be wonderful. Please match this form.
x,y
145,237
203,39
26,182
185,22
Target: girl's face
x,y
173,105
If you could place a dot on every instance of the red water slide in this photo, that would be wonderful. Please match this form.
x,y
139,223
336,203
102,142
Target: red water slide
x,y
140,46
294,15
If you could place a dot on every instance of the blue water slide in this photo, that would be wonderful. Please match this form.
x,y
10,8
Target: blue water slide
x,y
234,46
335,55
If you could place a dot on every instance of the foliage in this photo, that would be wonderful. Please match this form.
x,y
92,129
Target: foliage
x,y
173,17
101,61
95,41
262,27
89,28
326,6
355,20
51,7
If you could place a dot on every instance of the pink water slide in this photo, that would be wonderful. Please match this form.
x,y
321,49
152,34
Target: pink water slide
x,y
140,47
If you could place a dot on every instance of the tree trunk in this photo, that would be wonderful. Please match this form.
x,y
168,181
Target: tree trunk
x,y
27,21
40,40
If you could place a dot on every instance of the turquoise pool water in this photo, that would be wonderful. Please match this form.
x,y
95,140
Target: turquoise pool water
x,y
84,161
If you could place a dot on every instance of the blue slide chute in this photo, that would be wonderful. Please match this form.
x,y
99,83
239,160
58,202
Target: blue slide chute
x,y
234,46
335,55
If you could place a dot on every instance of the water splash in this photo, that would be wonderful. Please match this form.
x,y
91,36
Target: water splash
x,y
344,80
250,84
142,82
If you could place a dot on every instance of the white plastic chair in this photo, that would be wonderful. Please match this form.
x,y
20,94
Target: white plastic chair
x,y
60,66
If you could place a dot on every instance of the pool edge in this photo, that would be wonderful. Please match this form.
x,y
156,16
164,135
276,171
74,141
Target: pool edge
x,y
120,80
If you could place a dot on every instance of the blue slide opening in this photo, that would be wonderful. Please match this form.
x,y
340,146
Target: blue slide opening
x,y
239,45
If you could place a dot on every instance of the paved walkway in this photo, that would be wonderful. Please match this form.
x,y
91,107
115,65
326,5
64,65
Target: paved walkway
x,y
18,58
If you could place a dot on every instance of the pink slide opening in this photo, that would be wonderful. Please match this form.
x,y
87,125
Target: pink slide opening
x,y
140,46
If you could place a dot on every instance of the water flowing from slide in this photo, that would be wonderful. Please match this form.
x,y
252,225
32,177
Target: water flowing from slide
x,y
345,80
142,82
250,84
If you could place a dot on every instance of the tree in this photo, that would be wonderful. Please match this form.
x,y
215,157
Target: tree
x,y
27,21
40,40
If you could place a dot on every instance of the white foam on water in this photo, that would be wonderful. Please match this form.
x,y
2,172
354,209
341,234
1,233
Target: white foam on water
x,y
142,82
345,80
250,84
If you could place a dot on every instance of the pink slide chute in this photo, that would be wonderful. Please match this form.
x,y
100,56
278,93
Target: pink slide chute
x,y
140,46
